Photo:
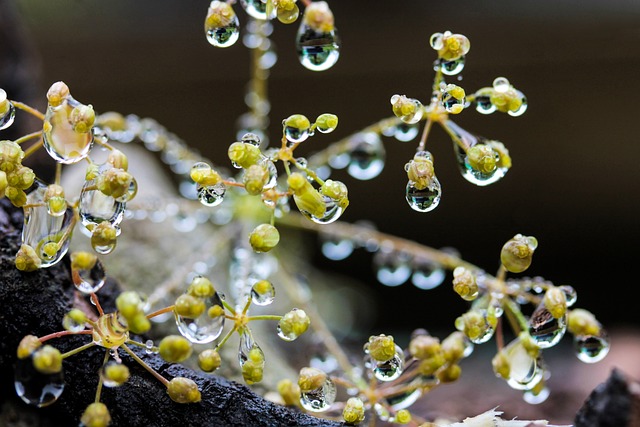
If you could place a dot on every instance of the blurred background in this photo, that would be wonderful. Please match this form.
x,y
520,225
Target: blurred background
x,y
574,182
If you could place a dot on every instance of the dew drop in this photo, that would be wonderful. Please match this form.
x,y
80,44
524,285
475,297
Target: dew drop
x,y
405,132
319,399
366,156
211,195
69,324
89,280
61,141
436,41
545,330
424,200
96,207
149,347
255,8
317,51
42,231
483,101
536,398
524,370
332,211
203,329
501,84
6,118
427,275
591,348
34,387
570,294
336,249
388,370
247,344
222,35
130,193
450,68
263,293
392,269
404,400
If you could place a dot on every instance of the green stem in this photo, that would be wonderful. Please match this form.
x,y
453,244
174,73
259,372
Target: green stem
x,y
30,110
226,337
264,317
77,350
149,369
228,307
28,137
100,381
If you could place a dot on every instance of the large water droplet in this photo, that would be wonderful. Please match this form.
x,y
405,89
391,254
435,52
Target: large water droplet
x,y
263,293
96,207
468,172
427,275
319,399
317,51
89,280
34,387
6,118
211,195
545,330
203,329
405,132
450,68
335,248
392,268
536,397
483,101
367,155
570,294
424,200
591,348
255,8
332,211
524,370
48,235
247,343
61,141
523,105
224,35
388,370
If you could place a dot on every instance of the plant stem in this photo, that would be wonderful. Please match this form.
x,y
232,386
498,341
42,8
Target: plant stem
x,y
32,149
100,380
28,137
62,334
161,311
264,317
142,363
30,110
78,350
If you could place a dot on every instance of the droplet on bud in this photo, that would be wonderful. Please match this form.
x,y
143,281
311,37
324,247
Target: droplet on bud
x,y
450,68
317,50
87,277
34,387
263,292
211,195
591,348
388,370
424,200
207,326
96,207
255,8
525,371
317,391
545,330
336,249
221,24
64,140
7,111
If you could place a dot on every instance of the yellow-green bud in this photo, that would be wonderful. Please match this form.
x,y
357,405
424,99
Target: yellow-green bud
x,y
74,318
118,160
3,183
27,259
287,11
464,283
556,302
244,154
482,158
201,287
96,415
264,237
517,253
353,412
112,120
47,360
420,171
326,122
583,322
307,198
297,121
4,103
453,346
424,346
254,179
504,101
252,372
381,347
454,46
183,390
114,182
82,260
209,360
337,191
319,17
189,307
139,324
175,348
430,365
473,323
82,118
215,311
17,196
22,178
293,324
129,304
403,416
57,93
104,235
116,373
505,159
403,106
220,14
290,392
202,174
449,374
92,172
311,379
27,346
501,366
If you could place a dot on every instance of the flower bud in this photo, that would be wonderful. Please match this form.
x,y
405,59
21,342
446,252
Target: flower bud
x,y
381,347
244,154
189,307
517,253
337,191
201,287
254,179
583,322
464,283
47,360
209,360
290,392
319,17
96,415
175,348
424,346
82,118
293,324
556,302
482,158
57,93
27,346
311,379
353,412
116,373
183,390
264,237
27,259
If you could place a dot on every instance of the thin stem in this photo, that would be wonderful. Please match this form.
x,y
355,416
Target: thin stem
x,y
232,183
228,307
32,149
78,350
62,334
99,388
30,110
28,137
226,337
246,306
94,299
161,311
309,172
104,144
142,363
425,135
499,335
264,317
58,173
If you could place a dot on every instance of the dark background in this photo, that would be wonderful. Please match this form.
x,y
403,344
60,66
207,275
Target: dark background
x,y
574,182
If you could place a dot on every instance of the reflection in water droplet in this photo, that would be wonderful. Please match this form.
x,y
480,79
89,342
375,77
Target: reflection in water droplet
x,y
336,249
388,370
450,68
263,293
392,269
320,399
255,8
203,329
533,398
427,275
34,387
524,370
591,348
332,211
61,141
317,51
405,132
545,330
89,280
6,119
424,200
211,195
96,207
367,155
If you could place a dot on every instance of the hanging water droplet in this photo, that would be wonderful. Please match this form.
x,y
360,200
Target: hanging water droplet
x,y
436,41
247,343
524,370
545,330
8,113
382,412
336,249
64,143
501,84
427,275
255,8
366,156
537,397
424,200
388,370
570,294
591,348
523,105
88,280
319,399
476,325
405,132
392,267
148,347
483,101
48,235
204,328
211,195
333,210
130,193
96,207
317,50
263,293
221,24
450,68
72,325
404,400
34,387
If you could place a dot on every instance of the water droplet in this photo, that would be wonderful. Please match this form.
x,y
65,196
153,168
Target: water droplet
x,y
392,267
366,156
570,294
71,325
591,348
221,25
319,399
388,370
211,195
130,193
450,68
335,248
405,132
472,175
255,8
89,280
48,235
404,400
476,326
149,347
524,370
6,118
523,105
317,51
96,207
247,344
453,100
483,101
545,330
501,84
263,293
427,275
436,41
332,212
34,387
108,381
203,329
536,398
424,200
61,141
